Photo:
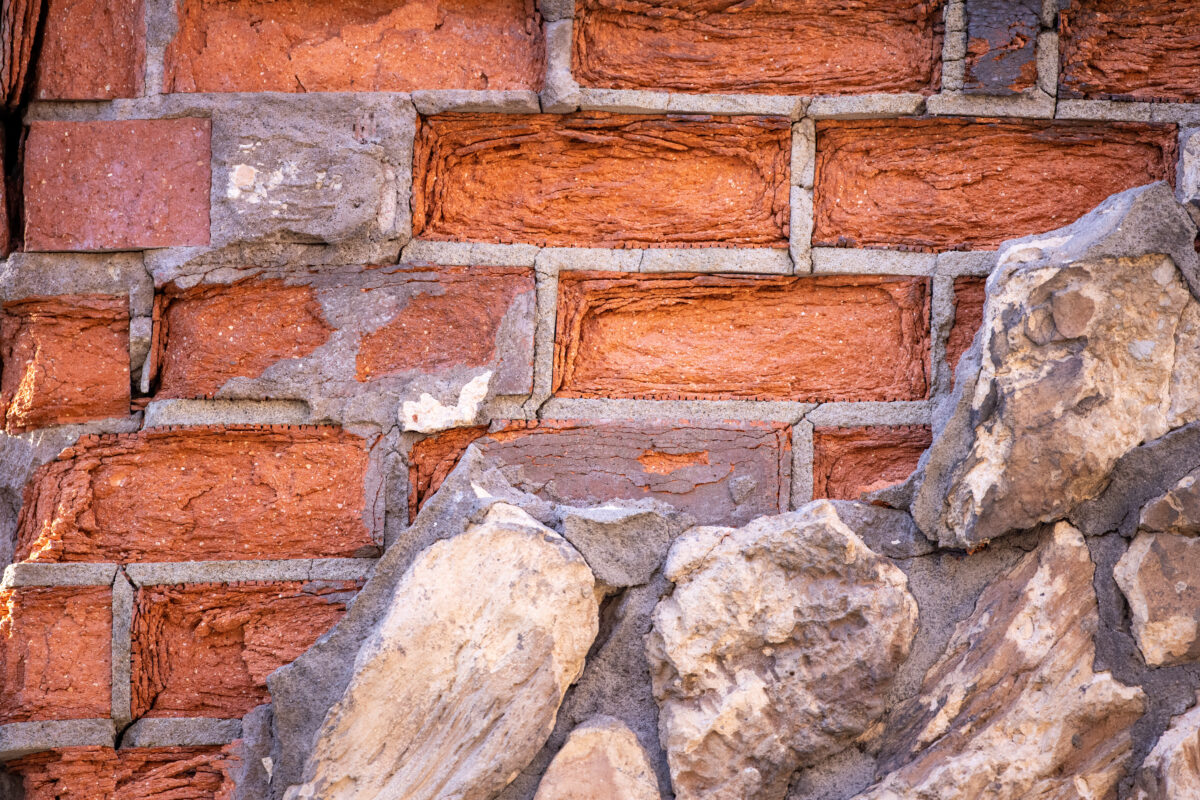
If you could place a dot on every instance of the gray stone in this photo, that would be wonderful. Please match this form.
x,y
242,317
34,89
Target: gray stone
x,y
866,106
31,274
887,531
161,413
1177,511
22,738
252,767
181,732
624,542
1160,578
1187,173
1172,770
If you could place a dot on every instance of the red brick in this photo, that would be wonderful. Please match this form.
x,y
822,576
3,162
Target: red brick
x,y
141,773
117,185
785,47
719,472
197,494
205,650
969,295
55,653
727,336
368,45
92,50
606,180
850,461
1001,46
65,359
946,184
1113,49
17,35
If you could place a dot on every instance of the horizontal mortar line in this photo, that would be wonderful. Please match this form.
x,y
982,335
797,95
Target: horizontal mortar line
x,y
161,413
23,738
698,410
1126,111
58,574
172,572
181,732
858,414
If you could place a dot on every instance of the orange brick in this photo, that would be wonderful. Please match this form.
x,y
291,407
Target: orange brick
x,y
92,50
99,773
969,295
850,461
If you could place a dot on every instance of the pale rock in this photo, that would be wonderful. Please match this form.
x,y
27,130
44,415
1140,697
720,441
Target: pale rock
x,y
1160,577
427,415
776,649
602,760
1013,709
1177,511
1172,770
458,686
624,541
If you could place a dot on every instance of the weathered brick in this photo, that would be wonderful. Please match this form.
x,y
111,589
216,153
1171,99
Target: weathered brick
x,y
969,295
950,183
55,653
140,773
65,359
720,473
201,493
606,180
17,35
727,336
371,45
850,461
92,50
788,46
117,185
1112,49
205,650
1001,46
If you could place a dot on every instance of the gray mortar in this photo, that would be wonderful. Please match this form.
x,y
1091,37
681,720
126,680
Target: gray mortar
x,y
545,314
161,413
444,101
748,410
557,259
804,153
941,320
252,771
560,93
647,101
850,415
966,262
32,274
1187,173
181,732
954,46
1033,104
802,464
866,106
122,676
557,9
23,738
80,574
307,569
845,260
162,23
800,229
1122,111
1047,62
754,260
469,254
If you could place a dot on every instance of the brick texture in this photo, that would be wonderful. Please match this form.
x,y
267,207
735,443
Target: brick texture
x,y
65,359
1001,46
787,46
205,650
969,295
947,184
370,45
720,473
723,336
143,773
1112,49
117,185
198,494
21,18
55,653
92,50
850,461
605,180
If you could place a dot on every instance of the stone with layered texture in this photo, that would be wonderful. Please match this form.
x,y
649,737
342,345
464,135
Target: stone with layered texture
x,y
1067,349
776,650
1013,709
602,760
1160,577
1172,770
458,686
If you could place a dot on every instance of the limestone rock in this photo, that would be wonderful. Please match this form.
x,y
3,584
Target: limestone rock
x,y
1014,709
601,760
458,687
776,649
1172,770
1176,511
1070,372
1160,577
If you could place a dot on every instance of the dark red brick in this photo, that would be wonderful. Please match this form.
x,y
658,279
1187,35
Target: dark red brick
x,y
850,461
92,50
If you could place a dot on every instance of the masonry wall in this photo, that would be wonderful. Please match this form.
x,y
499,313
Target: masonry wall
x,y
274,266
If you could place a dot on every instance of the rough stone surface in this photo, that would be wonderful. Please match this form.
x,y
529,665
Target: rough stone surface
x,y
297,46
1177,511
454,638
947,184
65,359
1013,709
652,181
100,773
216,493
889,532
54,653
1067,350
117,185
624,543
205,650
1002,37
1160,577
601,760
969,294
719,473
1112,50
849,462
775,651
1172,770
796,338
92,50
804,47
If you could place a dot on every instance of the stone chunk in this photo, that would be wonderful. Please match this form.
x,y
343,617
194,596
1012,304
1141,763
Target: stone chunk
x,y
807,47
1014,709
602,760
949,184
92,50
127,185
653,181
1001,46
1160,577
775,651
99,773
65,359
624,542
1172,770
1177,511
458,686
850,462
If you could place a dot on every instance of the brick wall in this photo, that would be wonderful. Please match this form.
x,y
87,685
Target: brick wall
x,y
278,264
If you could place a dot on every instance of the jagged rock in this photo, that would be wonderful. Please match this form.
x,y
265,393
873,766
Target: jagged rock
x,y
458,687
1160,577
624,542
1172,770
601,760
887,531
775,650
1070,371
1014,709
1176,511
